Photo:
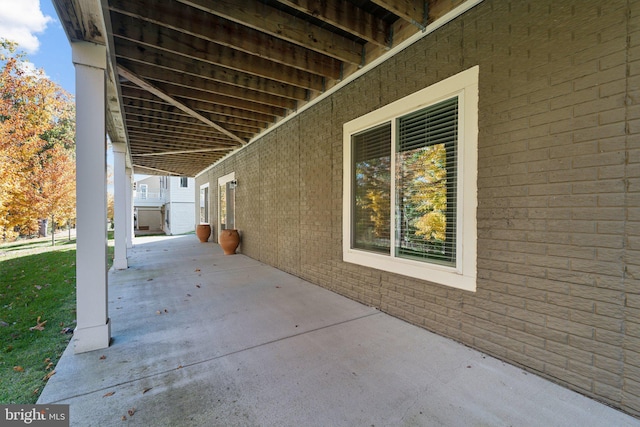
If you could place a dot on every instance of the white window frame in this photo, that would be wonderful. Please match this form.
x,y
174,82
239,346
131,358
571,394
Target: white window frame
x,y
463,275
144,191
223,180
200,204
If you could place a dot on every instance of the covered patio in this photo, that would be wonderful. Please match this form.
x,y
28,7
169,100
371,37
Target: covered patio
x,y
205,339
512,228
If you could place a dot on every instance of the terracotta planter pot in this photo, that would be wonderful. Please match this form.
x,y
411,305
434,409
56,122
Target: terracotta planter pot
x,y
203,231
229,241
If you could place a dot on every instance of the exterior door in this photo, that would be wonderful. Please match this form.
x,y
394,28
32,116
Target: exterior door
x,y
227,202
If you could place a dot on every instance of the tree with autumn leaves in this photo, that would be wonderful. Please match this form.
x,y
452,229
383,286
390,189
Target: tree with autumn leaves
x,y
37,148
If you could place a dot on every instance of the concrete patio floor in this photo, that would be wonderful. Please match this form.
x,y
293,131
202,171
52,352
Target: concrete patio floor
x,y
203,339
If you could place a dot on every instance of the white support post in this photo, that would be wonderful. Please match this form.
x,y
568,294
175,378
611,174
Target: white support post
x,y
93,330
130,231
119,206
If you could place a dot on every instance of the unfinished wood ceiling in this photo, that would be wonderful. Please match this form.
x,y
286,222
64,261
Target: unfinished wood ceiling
x,y
196,79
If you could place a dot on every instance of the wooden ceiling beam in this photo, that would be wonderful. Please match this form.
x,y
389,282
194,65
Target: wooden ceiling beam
x,y
171,131
346,16
162,171
155,75
261,104
151,150
177,159
156,118
162,18
168,98
264,18
138,134
191,71
153,147
134,97
199,101
139,122
169,153
209,53
412,11
187,121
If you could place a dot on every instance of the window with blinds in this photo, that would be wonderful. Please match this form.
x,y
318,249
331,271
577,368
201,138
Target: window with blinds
x,y
426,164
372,189
425,185
410,184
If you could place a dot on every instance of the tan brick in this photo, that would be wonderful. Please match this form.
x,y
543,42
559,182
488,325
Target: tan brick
x,y
558,191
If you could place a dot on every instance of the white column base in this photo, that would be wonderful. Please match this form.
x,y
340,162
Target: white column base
x,y
120,264
91,338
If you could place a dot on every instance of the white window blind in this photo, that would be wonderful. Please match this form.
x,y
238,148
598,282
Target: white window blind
x,y
426,164
372,189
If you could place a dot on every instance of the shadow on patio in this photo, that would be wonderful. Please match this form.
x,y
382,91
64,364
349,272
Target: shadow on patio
x,y
203,339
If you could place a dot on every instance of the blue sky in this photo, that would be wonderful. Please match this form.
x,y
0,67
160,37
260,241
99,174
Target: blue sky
x,y
54,54
35,26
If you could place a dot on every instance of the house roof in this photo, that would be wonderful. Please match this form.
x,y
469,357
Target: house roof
x,y
189,81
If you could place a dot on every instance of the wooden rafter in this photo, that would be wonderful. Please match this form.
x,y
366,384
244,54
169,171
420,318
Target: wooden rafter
x,y
168,153
198,78
162,95
159,22
272,21
346,16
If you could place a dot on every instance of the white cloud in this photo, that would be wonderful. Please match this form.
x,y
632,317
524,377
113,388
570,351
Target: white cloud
x,y
21,20
30,69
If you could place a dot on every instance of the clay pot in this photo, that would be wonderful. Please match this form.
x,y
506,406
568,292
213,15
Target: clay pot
x,y
203,231
229,241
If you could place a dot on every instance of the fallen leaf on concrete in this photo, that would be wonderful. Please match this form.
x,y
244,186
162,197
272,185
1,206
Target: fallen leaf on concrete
x,y
197,269
111,393
18,369
179,367
131,412
146,390
39,326
49,375
197,286
124,418
103,357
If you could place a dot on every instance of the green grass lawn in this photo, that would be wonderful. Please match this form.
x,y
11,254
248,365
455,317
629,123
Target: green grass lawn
x,y
37,281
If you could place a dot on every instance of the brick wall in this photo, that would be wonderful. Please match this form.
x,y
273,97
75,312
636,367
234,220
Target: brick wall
x,y
558,289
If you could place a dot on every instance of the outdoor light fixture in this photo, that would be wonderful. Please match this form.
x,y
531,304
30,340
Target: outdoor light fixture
x,y
233,184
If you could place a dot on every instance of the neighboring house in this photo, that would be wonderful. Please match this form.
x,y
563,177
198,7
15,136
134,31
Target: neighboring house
x,y
164,203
